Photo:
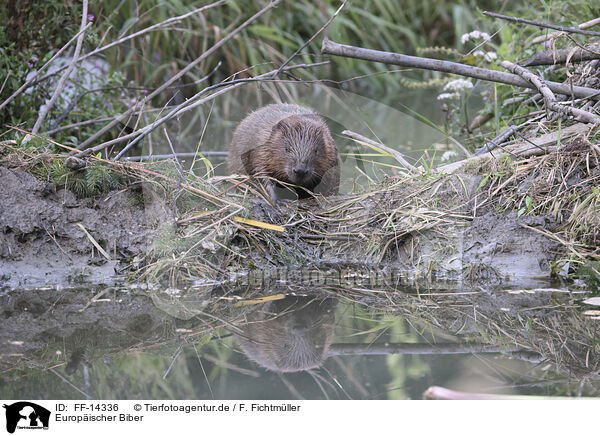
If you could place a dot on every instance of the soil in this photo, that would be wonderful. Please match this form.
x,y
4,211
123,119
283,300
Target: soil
x,y
41,243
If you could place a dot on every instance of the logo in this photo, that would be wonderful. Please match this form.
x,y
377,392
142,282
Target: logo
x,y
26,415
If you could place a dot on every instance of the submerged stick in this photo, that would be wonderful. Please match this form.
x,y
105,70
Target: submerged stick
x,y
549,97
333,48
412,348
538,24
439,393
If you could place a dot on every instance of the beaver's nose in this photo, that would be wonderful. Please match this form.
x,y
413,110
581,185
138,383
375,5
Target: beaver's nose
x,y
300,171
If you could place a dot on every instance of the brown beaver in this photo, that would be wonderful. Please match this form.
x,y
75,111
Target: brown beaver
x,y
289,143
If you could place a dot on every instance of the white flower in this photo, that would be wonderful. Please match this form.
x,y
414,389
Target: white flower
x,y
488,56
448,96
474,35
491,56
458,85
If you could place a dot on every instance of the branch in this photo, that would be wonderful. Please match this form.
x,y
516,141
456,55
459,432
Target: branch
x,y
330,47
38,72
551,57
154,27
538,24
396,154
551,35
170,156
184,107
549,98
66,74
177,76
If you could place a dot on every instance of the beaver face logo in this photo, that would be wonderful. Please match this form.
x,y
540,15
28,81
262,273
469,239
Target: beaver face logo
x,y
26,415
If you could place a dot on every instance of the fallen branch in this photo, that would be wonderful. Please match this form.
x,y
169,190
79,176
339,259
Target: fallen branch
x,y
543,144
538,24
549,97
551,57
330,47
396,154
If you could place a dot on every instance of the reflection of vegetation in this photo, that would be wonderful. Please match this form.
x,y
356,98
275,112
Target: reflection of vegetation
x,y
143,355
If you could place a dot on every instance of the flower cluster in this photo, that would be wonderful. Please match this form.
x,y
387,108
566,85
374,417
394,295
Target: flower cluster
x,y
448,96
458,85
487,55
474,36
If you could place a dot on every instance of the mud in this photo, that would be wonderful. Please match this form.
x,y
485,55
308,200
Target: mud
x,y
41,243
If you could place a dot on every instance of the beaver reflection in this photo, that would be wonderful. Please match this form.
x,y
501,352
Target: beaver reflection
x,y
289,335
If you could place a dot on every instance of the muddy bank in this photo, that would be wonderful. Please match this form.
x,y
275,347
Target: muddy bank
x,y
41,242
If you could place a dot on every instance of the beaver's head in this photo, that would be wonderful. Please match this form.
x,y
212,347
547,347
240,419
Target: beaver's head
x,y
298,150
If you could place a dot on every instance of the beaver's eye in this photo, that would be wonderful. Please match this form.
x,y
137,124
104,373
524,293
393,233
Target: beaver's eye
x,y
287,149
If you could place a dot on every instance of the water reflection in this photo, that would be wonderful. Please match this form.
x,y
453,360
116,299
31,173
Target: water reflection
x,y
365,343
289,335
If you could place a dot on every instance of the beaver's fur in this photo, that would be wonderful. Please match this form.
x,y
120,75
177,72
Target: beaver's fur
x,y
289,143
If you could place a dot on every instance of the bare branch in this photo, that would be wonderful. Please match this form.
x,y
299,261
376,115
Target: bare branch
x,y
395,153
177,76
330,47
549,98
191,103
550,57
552,35
66,74
38,72
538,24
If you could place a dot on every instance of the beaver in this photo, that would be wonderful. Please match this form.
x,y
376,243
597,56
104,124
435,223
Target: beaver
x,y
289,143
289,335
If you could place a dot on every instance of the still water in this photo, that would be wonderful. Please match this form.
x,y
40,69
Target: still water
x,y
294,343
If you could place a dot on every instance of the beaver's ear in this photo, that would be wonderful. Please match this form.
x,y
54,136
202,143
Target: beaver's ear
x,y
287,125
248,161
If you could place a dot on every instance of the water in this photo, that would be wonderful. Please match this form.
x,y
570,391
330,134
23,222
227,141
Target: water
x,y
119,343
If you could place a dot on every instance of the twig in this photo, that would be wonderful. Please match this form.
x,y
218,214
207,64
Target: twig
x,y
43,67
495,143
396,154
157,26
330,47
66,74
538,24
177,76
585,25
170,156
549,97
550,57
303,46
186,106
